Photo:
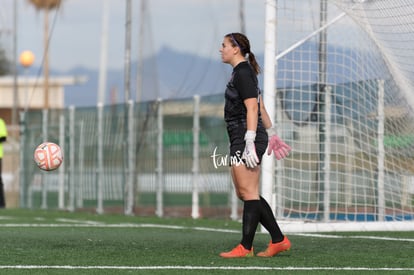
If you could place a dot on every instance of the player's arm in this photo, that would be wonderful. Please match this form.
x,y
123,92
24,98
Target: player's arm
x,y
267,122
276,145
252,111
249,153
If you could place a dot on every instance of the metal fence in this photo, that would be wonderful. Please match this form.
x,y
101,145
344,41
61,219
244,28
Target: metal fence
x,y
169,158
161,157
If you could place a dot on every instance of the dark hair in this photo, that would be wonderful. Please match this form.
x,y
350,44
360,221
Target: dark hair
x,y
241,41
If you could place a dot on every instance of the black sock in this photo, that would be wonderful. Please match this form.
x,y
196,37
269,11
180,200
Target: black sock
x,y
251,217
267,219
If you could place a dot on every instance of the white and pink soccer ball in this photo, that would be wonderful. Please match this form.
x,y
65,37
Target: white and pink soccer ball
x,y
48,156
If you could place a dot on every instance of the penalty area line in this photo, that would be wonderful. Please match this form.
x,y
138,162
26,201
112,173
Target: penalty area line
x,y
202,268
119,225
94,224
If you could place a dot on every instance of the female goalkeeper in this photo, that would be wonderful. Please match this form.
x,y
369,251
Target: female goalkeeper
x,y
250,132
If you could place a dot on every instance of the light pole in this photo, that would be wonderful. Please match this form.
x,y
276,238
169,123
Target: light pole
x,y
26,60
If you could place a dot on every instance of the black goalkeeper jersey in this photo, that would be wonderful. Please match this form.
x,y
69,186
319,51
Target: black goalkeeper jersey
x,y
242,85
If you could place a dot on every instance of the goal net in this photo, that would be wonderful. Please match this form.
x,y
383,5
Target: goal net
x,y
345,97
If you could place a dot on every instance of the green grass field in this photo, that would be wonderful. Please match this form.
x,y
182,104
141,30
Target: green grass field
x,y
57,242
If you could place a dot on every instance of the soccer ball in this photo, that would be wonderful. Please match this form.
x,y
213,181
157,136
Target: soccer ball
x,y
48,156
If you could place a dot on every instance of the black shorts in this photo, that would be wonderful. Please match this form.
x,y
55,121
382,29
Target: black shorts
x,y
236,132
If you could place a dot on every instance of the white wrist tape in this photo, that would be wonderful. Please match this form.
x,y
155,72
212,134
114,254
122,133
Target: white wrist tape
x,y
250,135
271,131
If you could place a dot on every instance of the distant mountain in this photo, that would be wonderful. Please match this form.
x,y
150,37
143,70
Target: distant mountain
x,y
171,74
167,75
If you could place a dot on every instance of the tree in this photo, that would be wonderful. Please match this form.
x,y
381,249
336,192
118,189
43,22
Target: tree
x,y
4,63
46,4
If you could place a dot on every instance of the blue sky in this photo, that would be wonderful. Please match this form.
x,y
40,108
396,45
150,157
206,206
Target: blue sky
x,y
195,26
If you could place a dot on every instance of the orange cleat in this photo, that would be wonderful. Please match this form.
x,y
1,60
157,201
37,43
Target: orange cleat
x,y
275,248
238,252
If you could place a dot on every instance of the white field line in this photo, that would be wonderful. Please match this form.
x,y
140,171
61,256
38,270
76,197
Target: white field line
x,y
353,237
78,221
86,223
200,268
119,225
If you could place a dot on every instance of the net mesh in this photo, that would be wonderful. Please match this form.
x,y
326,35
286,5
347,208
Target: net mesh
x,y
346,97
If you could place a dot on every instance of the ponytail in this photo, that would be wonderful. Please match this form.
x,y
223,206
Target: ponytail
x,y
253,63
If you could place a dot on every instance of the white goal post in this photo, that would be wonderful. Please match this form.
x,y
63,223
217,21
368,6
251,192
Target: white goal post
x,y
343,99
